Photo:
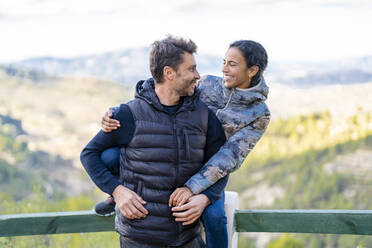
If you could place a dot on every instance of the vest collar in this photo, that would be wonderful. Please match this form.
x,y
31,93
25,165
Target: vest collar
x,y
145,90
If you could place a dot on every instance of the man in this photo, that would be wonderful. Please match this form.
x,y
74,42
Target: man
x,y
238,99
167,135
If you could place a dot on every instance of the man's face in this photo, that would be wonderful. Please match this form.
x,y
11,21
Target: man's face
x,y
186,76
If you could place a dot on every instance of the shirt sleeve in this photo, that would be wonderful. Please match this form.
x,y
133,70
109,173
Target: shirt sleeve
x,y
90,157
215,139
230,157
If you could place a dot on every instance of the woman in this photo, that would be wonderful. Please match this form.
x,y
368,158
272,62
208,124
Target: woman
x,y
238,100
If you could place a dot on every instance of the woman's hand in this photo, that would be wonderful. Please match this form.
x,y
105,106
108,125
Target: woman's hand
x,y
180,196
109,124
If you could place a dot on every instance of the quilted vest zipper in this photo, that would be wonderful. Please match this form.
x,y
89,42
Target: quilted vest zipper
x,y
176,142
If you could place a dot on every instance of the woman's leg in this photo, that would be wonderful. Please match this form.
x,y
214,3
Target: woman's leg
x,y
110,158
215,224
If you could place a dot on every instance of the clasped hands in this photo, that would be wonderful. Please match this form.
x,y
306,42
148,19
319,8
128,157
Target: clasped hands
x,y
186,207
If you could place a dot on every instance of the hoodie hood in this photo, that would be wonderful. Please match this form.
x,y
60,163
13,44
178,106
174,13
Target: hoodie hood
x,y
235,108
257,93
217,96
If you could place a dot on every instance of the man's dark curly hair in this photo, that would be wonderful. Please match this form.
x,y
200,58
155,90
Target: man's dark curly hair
x,y
168,52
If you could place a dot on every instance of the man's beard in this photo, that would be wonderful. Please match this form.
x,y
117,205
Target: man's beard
x,y
187,91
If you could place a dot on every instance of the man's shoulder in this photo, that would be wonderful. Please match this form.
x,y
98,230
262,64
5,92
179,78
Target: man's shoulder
x,y
122,112
201,104
121,107
127,106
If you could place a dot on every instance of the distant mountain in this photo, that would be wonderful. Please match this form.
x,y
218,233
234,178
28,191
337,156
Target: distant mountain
x,y
24,73
130,65
127,66
304,75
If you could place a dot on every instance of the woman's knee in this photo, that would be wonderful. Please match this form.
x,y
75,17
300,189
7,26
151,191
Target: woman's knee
x,y
110,157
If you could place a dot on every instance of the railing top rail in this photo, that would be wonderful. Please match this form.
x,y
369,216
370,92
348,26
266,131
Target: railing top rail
x,y
54,223
304,211
293,221
46,214
357,222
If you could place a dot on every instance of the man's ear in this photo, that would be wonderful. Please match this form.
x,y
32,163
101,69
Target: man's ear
x,y
169,73
252,71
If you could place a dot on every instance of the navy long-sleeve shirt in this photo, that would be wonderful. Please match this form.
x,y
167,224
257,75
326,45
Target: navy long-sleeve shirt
x,y
107,182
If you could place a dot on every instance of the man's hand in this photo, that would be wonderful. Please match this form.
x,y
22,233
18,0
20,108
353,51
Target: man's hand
x,y
129,203
192,210
109,124
180,196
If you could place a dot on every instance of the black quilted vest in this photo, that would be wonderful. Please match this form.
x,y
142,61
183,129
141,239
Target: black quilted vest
x,y
165,151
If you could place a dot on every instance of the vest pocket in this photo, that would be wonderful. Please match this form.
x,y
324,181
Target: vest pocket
x,y
139,187
187,144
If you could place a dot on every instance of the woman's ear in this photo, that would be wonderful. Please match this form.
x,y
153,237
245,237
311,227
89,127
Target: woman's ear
x,y
252,71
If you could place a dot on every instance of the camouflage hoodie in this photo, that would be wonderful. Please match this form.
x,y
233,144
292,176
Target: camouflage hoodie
x,y
244,116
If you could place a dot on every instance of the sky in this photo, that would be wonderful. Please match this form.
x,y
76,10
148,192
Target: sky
x,y
289,29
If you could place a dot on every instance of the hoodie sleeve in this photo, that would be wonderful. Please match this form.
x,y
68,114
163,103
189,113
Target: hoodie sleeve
x,y
230,157
215,140
90,157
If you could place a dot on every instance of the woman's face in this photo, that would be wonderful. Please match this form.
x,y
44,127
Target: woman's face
x,y
235,71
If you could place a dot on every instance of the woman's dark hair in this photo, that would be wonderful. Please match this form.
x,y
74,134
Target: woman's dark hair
x,y
254,54
168,52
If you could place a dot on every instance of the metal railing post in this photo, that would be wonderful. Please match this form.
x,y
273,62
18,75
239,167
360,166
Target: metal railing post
x,y
231,204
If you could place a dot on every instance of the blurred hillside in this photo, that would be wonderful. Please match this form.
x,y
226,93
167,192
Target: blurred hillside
x,y
59,114
316,153
339,100
21,169
315,161
45,122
